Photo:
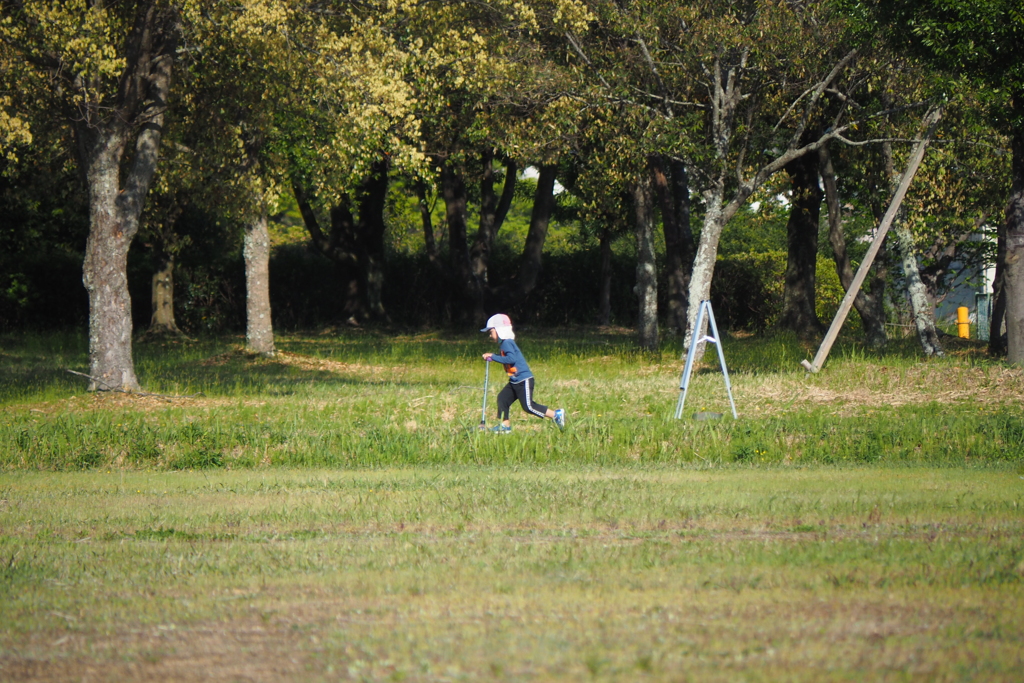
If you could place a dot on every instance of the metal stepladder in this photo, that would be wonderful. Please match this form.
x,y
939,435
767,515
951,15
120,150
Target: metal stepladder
x,y
713,338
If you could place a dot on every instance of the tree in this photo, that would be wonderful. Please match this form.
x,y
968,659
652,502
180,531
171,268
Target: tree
x,y
324,116
496,108
639,165
599,177
734,90
738,86
229,128
161,216
960,188
798,300
355,242
869,303
106,71
349,128
922,306
646,270
978,40
672,186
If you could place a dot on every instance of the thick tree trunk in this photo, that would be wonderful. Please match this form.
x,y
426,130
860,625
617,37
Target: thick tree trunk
x,y
104,271
1013,270
798,300
704,263
868,306
117,183
604,303
259,332
533,250
920,303
646,269
673,191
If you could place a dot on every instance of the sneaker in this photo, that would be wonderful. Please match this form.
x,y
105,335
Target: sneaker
x,y
560,418
501,429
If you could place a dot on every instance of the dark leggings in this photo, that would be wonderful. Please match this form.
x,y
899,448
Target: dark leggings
x,y
522,392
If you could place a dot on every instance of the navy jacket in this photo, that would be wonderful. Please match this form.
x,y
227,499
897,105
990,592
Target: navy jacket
x,y
512,358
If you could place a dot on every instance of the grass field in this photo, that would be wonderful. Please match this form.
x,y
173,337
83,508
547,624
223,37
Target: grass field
x,y
333,515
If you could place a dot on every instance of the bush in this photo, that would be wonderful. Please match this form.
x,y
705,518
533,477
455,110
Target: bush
x,y
747,290
42,290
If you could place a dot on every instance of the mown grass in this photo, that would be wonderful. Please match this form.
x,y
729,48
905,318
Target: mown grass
x,y
334,514
470,573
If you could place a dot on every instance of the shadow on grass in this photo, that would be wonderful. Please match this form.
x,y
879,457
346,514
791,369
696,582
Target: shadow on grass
x,y
33,365
783,351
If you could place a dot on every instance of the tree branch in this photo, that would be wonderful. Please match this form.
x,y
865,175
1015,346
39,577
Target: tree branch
x,y
586,60
125,391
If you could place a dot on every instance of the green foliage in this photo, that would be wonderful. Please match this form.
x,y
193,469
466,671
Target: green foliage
x,y
42,236
757,230
977,37
748,288
274,92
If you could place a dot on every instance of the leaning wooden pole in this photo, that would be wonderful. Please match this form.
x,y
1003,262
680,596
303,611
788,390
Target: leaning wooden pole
x,y
931,120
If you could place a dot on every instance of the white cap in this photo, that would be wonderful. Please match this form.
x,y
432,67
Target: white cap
x,y
501,324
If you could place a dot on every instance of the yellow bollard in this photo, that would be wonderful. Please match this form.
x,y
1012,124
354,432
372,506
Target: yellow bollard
x,y
963,323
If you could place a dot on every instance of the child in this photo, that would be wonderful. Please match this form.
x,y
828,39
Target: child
x,y
520,379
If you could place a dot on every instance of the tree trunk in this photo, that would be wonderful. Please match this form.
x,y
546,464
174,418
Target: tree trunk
x,y
429,241
533,250
492,214
674,199
1013,271
165,245
104,270
480,252
646,269
604,304
338,246
453,190
996,341
103,132
259,333
799,293
356,245
162,320
924,309
370,237
344,251
869,306
704,263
